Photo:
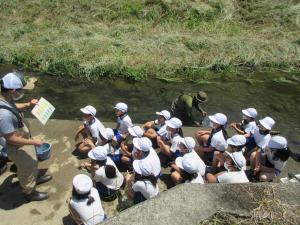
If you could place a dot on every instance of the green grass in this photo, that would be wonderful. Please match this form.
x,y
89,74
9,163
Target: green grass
x,y
136,39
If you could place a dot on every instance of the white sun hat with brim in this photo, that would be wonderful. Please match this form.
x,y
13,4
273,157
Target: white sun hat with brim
x,y
123,107
188,142
142,167
12,81
165,113
250,112
277,142
136,131
143,144
218,118
89,110
82,184
174,123
238,159
237,140
99,153
107,133
188,164
267,122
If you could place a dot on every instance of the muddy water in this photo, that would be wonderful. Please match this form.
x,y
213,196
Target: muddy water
x,y
268,93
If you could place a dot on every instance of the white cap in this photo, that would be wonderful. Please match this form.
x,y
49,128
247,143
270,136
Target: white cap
x,y
142,167
143,144
188,142
250,112
238,159
12,81
89,110
121,107
174,123
188,164
237,140
99,153
218,118
278,142
136,131
82,184
165,113
267,122
107,133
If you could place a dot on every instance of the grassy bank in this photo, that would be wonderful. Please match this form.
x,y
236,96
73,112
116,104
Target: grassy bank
x,y
167,39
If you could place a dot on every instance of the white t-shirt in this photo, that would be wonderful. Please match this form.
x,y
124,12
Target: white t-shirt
x,y
153,160
163,132
200,162
114,183
94,128
278,164
124,122
218,141
248,128
146,188
233,177
197,180
90,214
174,141
262,141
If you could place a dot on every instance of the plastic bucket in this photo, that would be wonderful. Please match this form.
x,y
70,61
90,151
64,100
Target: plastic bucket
x,y
43,152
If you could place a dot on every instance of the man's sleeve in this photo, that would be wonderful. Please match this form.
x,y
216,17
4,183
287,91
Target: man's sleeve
x,y
6,123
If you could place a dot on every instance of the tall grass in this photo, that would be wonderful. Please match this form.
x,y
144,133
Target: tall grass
x,y
168,39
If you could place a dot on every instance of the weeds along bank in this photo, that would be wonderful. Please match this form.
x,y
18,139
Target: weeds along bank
x,y
169,39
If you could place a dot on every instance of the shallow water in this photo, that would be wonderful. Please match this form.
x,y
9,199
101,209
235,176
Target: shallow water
x,y
280,100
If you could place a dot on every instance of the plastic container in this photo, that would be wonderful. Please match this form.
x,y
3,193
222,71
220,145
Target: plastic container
x,y
43,152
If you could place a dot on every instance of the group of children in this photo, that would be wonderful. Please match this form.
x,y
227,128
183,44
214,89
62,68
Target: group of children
x,y
142,151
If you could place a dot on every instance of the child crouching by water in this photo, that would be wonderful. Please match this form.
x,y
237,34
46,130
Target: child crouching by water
x,y
123,121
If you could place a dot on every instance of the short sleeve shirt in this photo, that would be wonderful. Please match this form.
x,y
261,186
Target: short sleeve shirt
x,y
218,141
94,128
174,143
162,132
261,140
278,164
125,123
233,177
8,121
147,189
248,128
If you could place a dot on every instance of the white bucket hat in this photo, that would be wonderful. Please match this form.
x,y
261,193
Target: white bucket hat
x,y
142,167
121,107
237,140
188,164
238,159
165,113
98,153
267,122
89,110
278,142
107,133
82,184
174,123
218,118
250,112
143,144
188,142
136,131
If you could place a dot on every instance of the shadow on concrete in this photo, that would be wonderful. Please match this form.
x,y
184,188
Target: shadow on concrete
x,y
166,178
79,155
67,220
11,195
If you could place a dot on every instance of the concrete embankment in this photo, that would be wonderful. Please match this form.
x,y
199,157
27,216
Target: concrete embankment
x,y
185,204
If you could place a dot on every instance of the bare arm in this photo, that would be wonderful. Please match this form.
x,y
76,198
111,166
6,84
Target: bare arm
x,y
24,106
149,124
15,139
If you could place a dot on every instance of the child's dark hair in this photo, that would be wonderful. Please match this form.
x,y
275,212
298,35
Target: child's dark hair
x,y
100,163
151,178
188,176
110,171
180,132
78,196
282,154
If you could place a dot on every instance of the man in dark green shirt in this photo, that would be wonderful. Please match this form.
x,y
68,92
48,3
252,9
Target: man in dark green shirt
x,y
184,105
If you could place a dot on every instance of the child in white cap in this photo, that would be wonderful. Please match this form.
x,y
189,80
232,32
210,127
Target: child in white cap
x,y
169,147
105,173
186,147
248,123
89,129
234,164
188,169
85,206
259,138
213,143
269,165
123,122
157,127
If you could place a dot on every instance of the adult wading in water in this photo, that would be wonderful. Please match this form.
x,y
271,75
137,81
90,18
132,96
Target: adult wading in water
x,y
184,105
20,146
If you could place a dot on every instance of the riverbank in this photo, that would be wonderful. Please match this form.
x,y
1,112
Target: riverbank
x,y
171,40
